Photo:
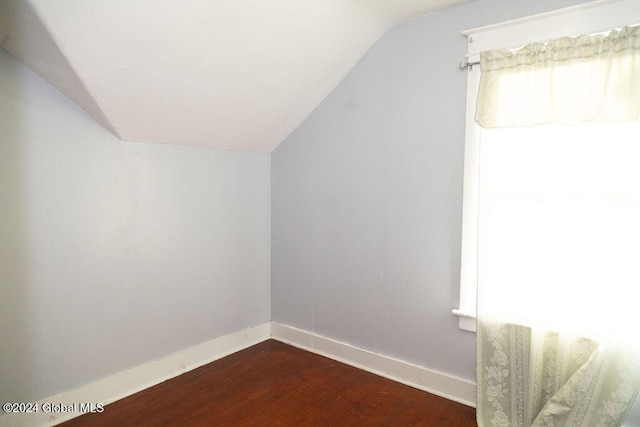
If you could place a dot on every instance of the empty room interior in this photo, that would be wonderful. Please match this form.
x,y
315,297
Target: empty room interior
x,y
181,181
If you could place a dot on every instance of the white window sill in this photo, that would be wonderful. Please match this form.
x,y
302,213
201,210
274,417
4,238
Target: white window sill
x,y
466,320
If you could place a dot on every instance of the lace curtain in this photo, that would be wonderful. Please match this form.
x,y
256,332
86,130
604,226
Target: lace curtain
x,y
559,232
566,81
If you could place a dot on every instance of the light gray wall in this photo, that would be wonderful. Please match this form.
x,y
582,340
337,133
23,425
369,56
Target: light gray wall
x,y
112,253
367,197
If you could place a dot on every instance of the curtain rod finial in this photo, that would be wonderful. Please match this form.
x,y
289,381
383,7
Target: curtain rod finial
x,y
467,64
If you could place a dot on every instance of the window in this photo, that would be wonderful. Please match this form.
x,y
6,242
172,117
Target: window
x,y
556,172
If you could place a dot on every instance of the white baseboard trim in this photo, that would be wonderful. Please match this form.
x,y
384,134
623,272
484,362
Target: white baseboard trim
x,y
126,383
438,383
133,380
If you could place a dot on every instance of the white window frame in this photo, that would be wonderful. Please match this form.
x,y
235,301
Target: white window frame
x,y
587,18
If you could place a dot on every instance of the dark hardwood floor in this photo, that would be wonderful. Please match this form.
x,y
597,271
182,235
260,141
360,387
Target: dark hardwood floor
x,y
274,384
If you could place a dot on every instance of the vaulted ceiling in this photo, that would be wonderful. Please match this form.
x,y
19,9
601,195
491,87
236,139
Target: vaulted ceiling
x,y
230,74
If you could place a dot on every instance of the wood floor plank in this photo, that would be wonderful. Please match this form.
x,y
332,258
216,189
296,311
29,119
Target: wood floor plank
x,y
274,384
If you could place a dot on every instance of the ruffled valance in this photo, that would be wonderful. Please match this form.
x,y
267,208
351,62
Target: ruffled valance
x,y
566,81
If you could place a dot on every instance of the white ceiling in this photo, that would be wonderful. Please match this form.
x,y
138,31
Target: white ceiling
x,y
230,74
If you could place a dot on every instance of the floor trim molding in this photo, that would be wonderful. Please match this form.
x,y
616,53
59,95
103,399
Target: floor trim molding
x,y
131,381
138,378
438,383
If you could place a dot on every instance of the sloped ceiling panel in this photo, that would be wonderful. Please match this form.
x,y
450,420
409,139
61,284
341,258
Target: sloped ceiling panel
x,y
23,34
230,74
